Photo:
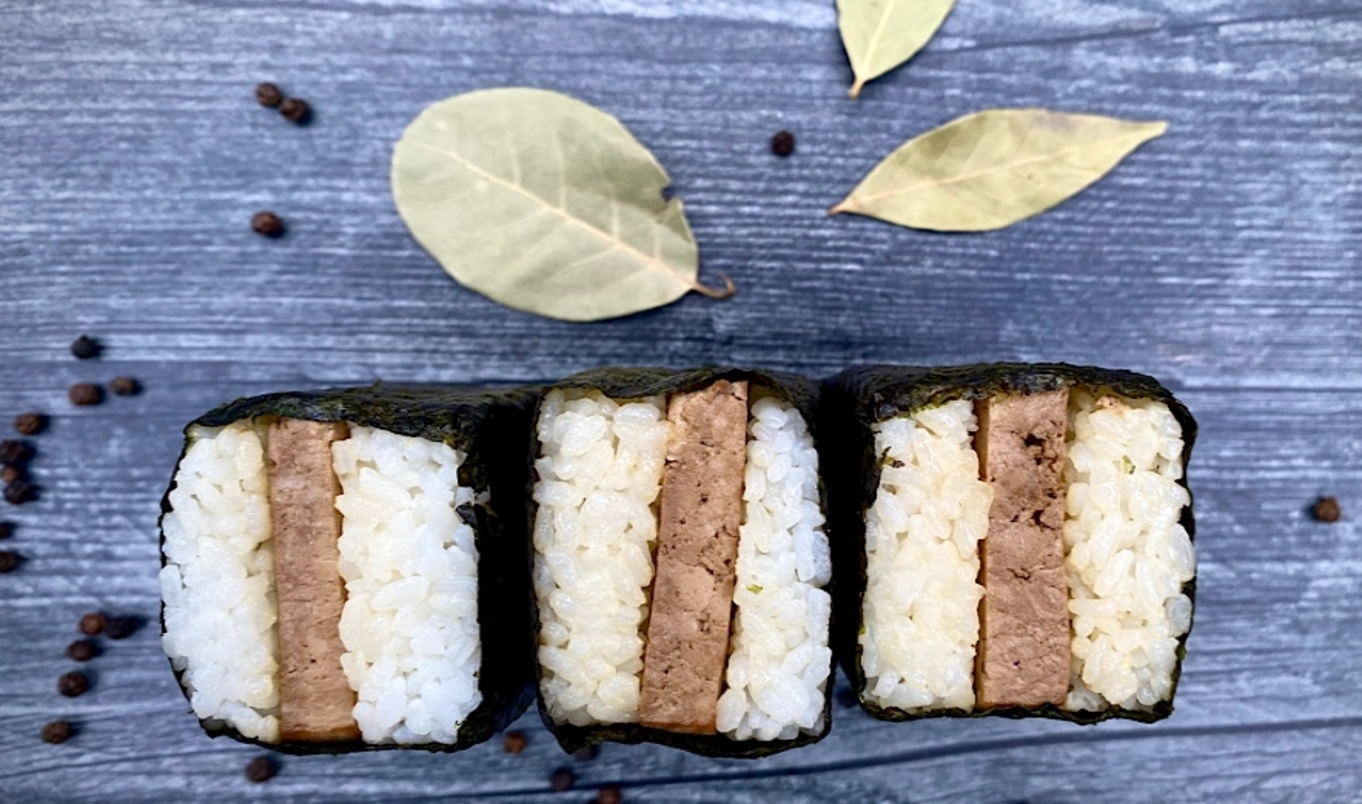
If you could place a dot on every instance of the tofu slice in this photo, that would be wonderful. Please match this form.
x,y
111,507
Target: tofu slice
x,y
1023,656
316,703
697,556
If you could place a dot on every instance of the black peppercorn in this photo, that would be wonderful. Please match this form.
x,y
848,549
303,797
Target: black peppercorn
x,y
14,453
85,347
30,423
6,530
1327,510
260,769
514,742
85,393
19,492
609,795
82,650
8,561
586,754
124,386
267,224
57,732
782,143
10,474
92,624
295,110
73,683
120,627
562,779
268,95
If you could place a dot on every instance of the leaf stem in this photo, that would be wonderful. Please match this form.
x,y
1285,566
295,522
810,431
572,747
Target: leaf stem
x,y
845,205
855,91
728,289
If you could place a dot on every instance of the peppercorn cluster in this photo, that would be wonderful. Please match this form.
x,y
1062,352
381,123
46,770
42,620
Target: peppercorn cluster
x,y
564,778
16,455
75,683
295,110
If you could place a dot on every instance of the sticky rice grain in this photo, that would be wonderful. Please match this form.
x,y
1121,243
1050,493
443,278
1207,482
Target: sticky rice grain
x,y
599,475
218,581
1126,554
410,566
779,659
921,605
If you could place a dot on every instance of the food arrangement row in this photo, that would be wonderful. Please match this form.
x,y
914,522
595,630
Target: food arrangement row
x,y
678,556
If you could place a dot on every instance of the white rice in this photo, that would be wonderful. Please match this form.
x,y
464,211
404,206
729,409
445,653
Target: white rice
x,y
218,581
410,566
599,477
920,611
779,659
1126,555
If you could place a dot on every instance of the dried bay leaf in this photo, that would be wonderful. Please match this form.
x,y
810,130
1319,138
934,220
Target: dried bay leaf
x,y
545,204
993,168
879,35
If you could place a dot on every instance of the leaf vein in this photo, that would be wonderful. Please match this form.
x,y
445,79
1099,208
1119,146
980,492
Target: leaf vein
x,y
874,43
861,201
613,241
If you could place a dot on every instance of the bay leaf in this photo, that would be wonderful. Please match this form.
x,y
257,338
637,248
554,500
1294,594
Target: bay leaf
x,y
993,168
879,35
545,204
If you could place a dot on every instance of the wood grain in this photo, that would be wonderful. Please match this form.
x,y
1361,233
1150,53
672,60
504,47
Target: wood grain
x,y
1222,258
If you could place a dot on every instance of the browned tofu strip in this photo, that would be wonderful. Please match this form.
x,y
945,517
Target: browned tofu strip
x,y
315,701
1023,657
697,555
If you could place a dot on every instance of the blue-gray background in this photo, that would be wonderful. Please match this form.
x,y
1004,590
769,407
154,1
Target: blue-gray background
x,y
1223,258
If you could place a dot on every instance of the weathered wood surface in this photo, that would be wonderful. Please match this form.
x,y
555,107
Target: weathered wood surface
x,y
1222,258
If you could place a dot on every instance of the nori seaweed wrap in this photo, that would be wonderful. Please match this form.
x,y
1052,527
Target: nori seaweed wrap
x,y
679,550
392,520
1013,539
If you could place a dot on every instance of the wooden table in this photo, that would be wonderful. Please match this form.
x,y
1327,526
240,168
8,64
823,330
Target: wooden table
x,y
1222,258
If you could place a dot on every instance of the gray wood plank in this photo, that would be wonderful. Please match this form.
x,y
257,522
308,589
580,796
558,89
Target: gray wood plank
x,y
1220,254
1223,258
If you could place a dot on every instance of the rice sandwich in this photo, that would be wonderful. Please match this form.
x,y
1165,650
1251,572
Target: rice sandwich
x,y
328,566
681,564
1023,538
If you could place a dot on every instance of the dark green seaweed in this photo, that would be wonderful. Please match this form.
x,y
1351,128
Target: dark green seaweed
x,y
632,383
859,397
492,427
